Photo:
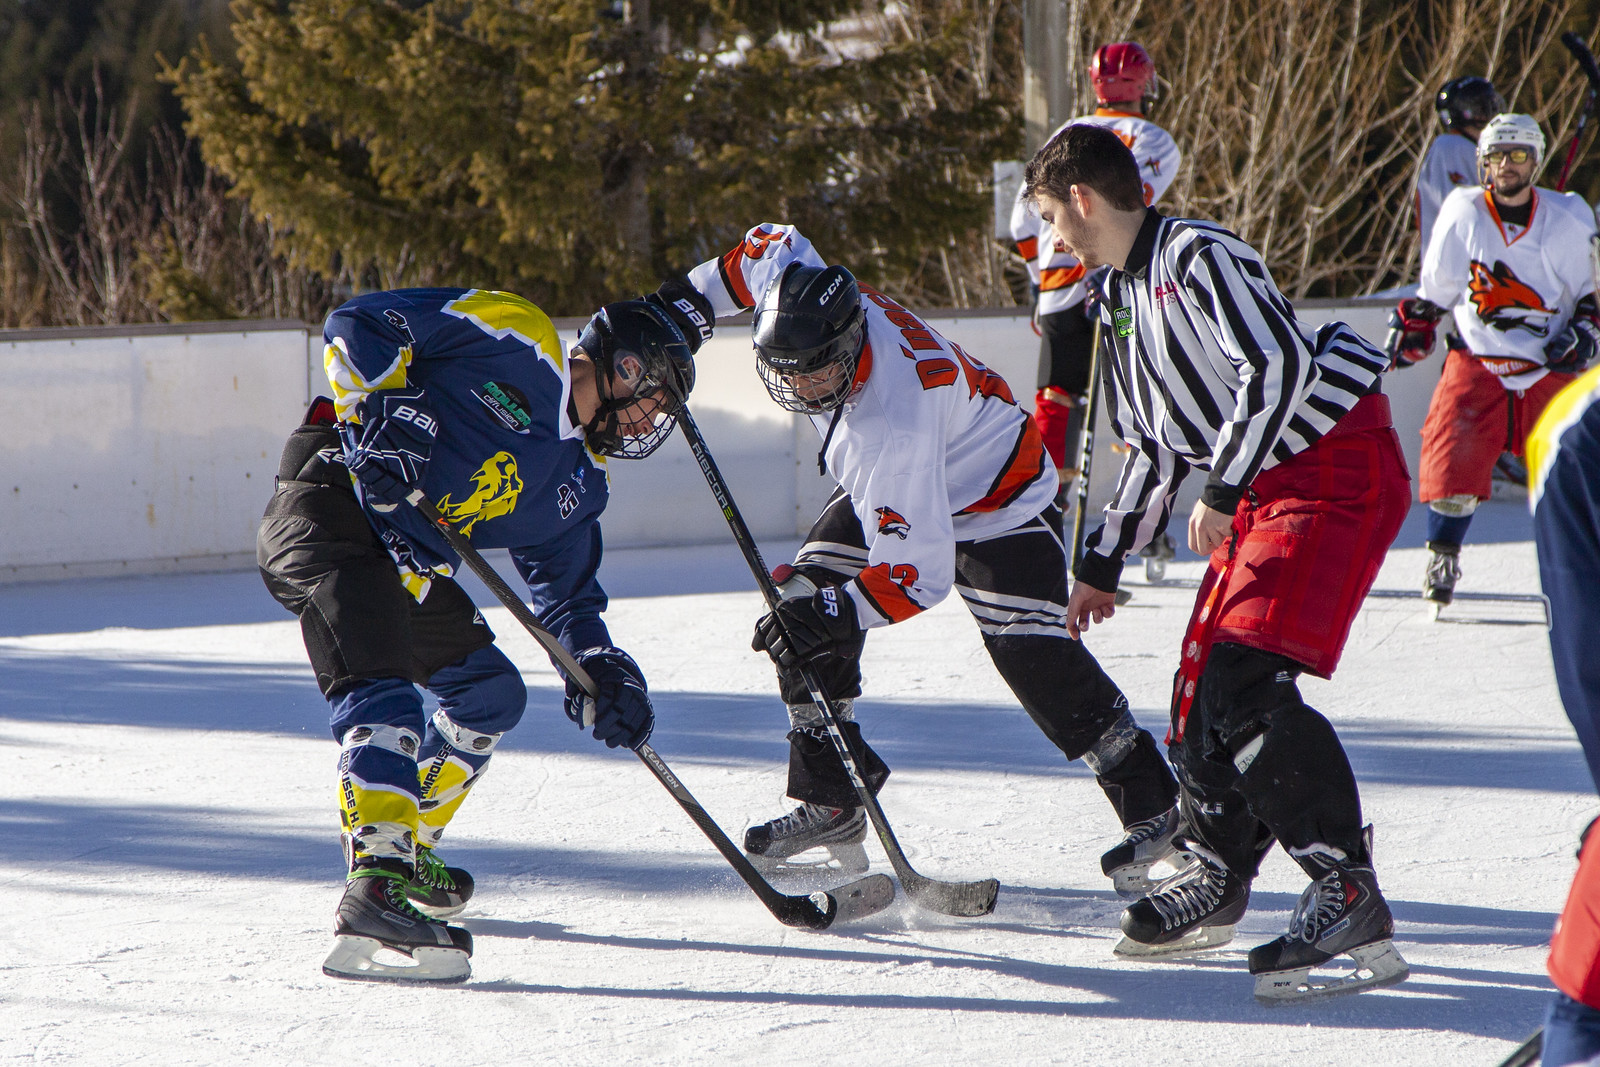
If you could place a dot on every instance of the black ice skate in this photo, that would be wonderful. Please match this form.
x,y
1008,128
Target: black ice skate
x,y
1146,844
1444,571
375,917
1194,909
840,831
1341,913
437,889
1156,554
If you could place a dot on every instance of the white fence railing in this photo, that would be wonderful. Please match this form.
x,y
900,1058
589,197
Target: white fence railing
x,y
136,450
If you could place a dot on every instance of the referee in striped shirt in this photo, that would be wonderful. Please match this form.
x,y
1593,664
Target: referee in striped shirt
x,y
1207,368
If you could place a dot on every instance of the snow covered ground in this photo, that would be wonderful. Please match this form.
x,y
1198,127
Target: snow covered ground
x,y
170,858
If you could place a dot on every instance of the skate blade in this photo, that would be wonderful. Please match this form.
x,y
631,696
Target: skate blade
x,y
1155,570
1377,965
1135,880
861,898
1206,937
822,860
353,957
1433,610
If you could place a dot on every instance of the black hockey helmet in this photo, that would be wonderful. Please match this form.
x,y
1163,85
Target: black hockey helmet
x,y
1470,101
638,351
809,331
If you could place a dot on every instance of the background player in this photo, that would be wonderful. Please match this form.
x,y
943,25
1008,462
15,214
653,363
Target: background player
x,y
1463,106
943,483
1124,80
466,395
1511,262
1306,490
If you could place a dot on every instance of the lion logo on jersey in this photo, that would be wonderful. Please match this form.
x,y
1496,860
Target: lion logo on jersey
x,y
495,488
1506,302
891,521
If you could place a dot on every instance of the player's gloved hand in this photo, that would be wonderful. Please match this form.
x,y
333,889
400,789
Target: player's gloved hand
x,y
688,308
620,710
808,629
1413,328
1573,349
388,450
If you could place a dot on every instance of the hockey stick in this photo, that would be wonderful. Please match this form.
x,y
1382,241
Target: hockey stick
x,y
1526,1054
815,912
1086,445
1580,52
947,898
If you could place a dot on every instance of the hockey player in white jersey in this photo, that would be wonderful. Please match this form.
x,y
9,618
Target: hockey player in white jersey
x,y
1463,106
1124,80
943,484
1511,263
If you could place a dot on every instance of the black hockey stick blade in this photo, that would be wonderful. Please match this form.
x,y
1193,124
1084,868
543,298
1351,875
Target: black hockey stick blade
x,y
818,911
1580,51
1527,1054
964,899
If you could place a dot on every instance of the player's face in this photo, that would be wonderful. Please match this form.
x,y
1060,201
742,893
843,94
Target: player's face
x,y
1071,228
1508,177
818,387
639,417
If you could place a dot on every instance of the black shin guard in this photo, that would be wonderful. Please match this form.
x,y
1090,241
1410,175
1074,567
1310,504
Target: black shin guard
x,y
1300,784
1140,786
818,775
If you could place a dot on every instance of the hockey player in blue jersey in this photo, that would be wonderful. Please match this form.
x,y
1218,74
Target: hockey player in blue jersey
x,y
468,396
1564,493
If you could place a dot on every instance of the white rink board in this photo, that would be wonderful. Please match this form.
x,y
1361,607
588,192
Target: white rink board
x,y
152,449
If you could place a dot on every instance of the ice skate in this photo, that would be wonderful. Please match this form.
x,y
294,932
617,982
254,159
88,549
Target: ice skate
x,y
1444,571
1340,914
1156,555
811,838
437,889
1195,909
1147,844
376,920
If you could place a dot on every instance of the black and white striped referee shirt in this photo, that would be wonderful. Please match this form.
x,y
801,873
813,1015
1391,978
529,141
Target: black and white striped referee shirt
x,y
1205,366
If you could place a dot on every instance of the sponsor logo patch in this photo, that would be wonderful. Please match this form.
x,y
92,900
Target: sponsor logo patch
x,y
506,403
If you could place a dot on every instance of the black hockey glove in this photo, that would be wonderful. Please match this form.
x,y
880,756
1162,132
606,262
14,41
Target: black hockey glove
x,y
620,711
809,629
688,308
1573,349
388,451
1413,329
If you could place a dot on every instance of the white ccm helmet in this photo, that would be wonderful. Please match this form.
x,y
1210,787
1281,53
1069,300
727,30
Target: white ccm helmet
x,y
1504,131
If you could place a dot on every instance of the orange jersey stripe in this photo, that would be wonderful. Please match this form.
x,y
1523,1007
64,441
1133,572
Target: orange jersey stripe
x,y
1059,277
1029,247
1025,463
733,276
886,594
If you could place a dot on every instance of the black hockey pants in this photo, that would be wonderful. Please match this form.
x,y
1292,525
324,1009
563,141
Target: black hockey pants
x,y
320,558
1256,763
1015,586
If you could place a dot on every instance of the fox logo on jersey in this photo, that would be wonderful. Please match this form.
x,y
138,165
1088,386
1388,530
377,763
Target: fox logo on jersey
x,y
495,488
891,521
1504,301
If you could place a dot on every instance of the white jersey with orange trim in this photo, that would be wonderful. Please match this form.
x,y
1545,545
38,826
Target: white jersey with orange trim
x,y
1512,288
1051,267
931,446
1450,162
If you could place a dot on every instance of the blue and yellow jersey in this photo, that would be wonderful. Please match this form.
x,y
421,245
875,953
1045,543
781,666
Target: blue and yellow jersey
x,y
1566,423
509,466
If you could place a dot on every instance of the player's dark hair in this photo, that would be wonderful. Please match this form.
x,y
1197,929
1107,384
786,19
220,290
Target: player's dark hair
x,y
1091,156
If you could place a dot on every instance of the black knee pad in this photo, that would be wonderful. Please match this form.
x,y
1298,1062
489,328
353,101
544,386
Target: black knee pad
x,y
818,775
1238,689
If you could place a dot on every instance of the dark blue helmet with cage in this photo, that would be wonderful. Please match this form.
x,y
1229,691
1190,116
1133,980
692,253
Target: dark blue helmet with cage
x,y
1468,102
639,355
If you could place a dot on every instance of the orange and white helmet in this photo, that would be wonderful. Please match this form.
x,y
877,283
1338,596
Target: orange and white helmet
x,y
1510,130
1122,73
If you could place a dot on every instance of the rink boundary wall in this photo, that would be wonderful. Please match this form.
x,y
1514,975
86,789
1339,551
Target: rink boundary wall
x,y
151,449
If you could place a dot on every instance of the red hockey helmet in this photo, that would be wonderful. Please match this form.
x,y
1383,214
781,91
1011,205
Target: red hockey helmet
x,y
1122,73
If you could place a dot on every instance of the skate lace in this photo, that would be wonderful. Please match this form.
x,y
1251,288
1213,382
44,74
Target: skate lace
x,y
1148,830
1444,570
1190,899
1320,904
805,817
431,871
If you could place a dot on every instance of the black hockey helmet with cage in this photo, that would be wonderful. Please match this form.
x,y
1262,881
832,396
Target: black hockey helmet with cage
x,y
1470,101
639,354
809,332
